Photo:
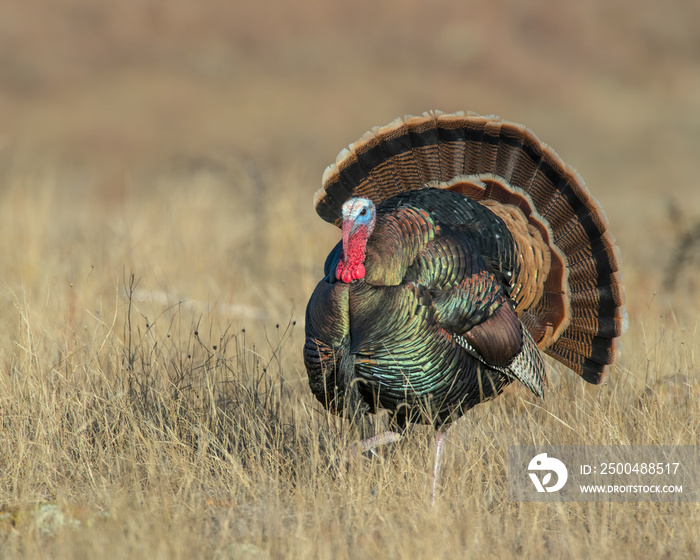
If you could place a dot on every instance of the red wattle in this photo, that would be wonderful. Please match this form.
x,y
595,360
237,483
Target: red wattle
x,y
354,246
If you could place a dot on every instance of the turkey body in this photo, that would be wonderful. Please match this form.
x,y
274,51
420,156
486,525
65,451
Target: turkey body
x,y
399,331
484,249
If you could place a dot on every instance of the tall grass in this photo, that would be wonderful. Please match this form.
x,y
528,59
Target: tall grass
x,y
154,403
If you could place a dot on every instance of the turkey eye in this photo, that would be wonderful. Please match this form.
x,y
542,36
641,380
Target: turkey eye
x,y
363,211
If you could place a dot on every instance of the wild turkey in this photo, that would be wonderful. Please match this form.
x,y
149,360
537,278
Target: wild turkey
x,y
467,248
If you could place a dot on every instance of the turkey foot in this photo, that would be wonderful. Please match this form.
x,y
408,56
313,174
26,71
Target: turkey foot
x,y
440,437
356,449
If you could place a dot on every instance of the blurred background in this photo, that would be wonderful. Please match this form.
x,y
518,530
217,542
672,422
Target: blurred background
x,y
158,246
183,141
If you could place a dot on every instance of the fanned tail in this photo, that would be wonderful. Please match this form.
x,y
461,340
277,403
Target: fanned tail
x,y
568,289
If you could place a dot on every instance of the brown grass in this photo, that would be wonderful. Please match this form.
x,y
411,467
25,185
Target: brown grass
x,y
158,248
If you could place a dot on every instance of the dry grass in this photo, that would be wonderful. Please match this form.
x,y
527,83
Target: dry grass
x,y
158,248
144,416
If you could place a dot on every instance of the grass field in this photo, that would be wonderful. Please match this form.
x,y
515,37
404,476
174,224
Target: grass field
x,y
158,241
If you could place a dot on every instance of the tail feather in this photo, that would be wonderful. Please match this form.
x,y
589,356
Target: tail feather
x,y
572,301
597,255
602,351
510,148
453,151
609,293
587,368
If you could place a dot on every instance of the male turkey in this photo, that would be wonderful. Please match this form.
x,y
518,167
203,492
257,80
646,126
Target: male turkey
x,y
468,247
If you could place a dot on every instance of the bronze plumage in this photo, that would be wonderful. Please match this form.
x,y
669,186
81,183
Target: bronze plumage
x,y
468,247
